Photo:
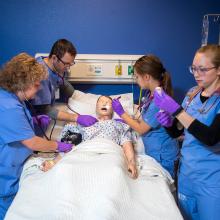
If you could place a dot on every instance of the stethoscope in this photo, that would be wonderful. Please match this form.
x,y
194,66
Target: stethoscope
x,y
203,109
144,102
23,104
27,115
68,106
56,72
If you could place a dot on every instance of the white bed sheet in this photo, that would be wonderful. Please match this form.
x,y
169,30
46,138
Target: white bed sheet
x,y
91,183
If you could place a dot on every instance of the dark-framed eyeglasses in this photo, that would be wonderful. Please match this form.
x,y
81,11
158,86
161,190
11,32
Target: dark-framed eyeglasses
x,y
200,70
64,63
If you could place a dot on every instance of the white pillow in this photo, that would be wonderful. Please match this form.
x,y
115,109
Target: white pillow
x,y
85,103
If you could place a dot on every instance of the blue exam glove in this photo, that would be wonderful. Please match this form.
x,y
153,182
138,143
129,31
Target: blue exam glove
x,y
64,147
42,120
86,120
164,118
165,102
117,107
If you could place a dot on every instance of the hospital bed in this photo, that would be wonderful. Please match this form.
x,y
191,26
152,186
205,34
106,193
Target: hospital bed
x,y
92,182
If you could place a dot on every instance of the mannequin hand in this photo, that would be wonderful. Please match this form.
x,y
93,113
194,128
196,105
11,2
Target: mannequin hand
x,y
47,165
42,120
64,147
86,120
132,169
164,118
117,107
165,102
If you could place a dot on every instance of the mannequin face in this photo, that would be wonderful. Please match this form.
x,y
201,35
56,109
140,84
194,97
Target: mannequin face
x,y
104,107
62,64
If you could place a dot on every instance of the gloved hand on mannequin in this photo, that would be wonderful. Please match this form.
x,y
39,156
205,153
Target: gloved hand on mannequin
x,y
86,120
64,147
164,118
117,107
42,120
165,102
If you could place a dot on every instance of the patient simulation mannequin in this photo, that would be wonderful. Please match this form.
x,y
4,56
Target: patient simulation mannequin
x,y
106,127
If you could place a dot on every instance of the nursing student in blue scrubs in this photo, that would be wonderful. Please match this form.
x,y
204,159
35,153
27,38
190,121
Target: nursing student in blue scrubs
x,y
19,81
150,73
199,171
57,64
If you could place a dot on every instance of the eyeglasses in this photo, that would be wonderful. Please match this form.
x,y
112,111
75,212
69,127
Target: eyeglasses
x,y
64,63
200,70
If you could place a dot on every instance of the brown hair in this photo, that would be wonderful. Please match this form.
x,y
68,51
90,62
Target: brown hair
x,y
150,64
62,46
213,50
21,72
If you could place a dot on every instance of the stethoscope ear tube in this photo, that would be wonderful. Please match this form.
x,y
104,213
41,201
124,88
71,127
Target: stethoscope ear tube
x,y
38,124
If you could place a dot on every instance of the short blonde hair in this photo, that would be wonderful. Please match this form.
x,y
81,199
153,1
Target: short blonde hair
x,y
21,72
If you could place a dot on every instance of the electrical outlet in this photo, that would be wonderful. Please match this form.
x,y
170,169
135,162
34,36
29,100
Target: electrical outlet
x,y
95,69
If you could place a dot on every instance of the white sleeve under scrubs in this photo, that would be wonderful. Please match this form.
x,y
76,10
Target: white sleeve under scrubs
x,y
15,126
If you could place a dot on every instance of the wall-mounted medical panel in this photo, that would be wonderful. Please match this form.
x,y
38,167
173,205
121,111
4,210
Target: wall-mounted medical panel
x,y
102,68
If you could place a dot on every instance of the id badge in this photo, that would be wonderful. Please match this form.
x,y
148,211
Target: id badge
x,y
57,94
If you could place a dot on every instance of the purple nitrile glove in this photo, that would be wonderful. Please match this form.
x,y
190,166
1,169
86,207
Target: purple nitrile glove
x,y
42,120
117,107
86,120
165,102
64,147
164,118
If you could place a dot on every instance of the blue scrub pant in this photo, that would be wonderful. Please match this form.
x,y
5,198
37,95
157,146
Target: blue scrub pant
x,y
169,165
5,202
196,201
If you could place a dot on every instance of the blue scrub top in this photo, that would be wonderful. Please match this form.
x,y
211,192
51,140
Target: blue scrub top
x,y
200,162
46,93
14,127
158,144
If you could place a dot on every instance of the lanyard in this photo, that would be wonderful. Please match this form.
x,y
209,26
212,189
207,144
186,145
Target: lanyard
x,y
146,102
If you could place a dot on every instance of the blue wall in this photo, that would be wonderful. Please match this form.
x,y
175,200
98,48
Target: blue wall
x,y
169,29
